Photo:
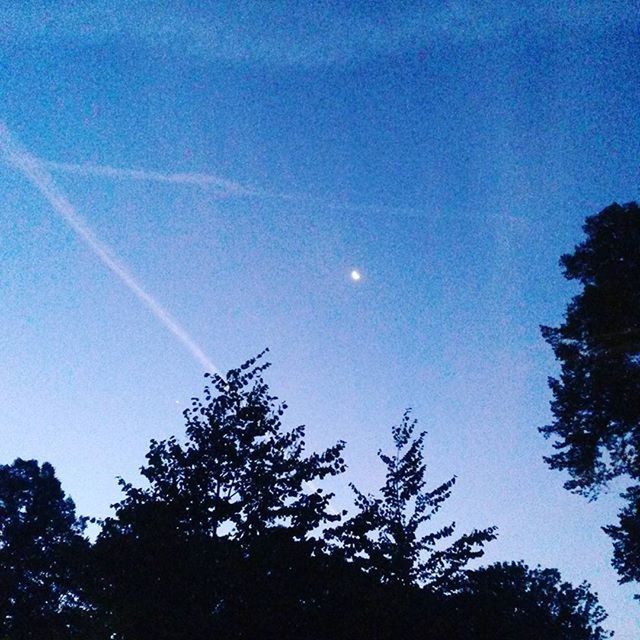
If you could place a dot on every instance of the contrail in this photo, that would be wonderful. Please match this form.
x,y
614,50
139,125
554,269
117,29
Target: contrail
x,y
198,179
36,173
223,185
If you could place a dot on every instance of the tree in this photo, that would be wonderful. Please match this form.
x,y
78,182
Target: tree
x,y
208,542
239,473
596,399
510,600
626,537
384,536
41,551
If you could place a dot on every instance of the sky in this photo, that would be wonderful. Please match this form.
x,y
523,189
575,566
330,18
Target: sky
x,y
184,184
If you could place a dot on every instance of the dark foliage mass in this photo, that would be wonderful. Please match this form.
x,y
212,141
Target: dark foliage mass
x,y
42,555
626,537
232,538
238,470
596,399
499,601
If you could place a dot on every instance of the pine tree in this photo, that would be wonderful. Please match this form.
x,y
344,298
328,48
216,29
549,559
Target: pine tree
x,y
626,538
596,398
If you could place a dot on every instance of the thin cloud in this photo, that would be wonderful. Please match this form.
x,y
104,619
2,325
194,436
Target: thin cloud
x,y
311,36
36,173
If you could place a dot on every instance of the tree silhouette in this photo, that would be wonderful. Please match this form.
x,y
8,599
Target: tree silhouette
x,y
384,536
226,541
41,553
211,535
510,600
596,399
238,472
626,538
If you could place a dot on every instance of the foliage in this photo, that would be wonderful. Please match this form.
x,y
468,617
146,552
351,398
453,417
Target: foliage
x,y
192,543
239,472
596,399
223,543
384,536
41,554
626,538
510,600
596,404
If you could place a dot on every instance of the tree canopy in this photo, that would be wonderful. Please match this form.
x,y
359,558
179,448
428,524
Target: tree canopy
x,y
232,537
511,600
238,470
385,535
596,399
41,555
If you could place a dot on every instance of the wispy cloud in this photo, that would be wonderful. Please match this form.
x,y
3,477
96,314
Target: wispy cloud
x,y
309,35
36,172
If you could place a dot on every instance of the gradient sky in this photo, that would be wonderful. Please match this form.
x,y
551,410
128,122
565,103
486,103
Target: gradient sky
x,y
448,152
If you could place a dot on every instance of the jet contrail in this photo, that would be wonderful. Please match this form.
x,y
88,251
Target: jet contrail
x,y
36,173
198,179
223,185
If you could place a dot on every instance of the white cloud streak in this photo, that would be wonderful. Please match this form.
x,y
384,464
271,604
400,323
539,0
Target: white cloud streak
x,y
35,170
36,173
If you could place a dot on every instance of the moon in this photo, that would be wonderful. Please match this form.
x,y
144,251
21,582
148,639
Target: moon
x,y
355,275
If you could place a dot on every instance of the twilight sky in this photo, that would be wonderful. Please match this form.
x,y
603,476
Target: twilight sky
x,y
208,177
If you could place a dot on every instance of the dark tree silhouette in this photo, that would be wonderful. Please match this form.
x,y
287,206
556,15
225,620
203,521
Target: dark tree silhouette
x,y
228,541
218,535
596,399
385,537
42,549
510,600
238,472
626,537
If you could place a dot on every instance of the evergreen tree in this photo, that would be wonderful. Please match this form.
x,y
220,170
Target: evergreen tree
x,y
385,535
626,538
596,399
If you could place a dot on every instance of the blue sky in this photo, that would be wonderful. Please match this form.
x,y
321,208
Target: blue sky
x,y
449,152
